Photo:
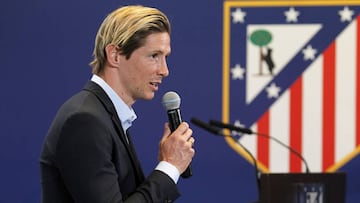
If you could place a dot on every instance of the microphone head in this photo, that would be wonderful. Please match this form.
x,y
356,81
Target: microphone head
x,y
171,100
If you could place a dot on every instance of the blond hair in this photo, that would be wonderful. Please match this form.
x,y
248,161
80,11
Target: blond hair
x,y
127,27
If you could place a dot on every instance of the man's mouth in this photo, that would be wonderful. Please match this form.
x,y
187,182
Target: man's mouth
x,y
155,84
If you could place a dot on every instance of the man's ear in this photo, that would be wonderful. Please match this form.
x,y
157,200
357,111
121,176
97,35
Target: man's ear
x,y
112,54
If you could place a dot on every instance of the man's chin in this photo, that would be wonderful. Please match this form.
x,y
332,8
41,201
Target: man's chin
x,y
149,96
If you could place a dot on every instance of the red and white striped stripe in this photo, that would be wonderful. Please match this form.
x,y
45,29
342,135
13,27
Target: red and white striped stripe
x,y
319,115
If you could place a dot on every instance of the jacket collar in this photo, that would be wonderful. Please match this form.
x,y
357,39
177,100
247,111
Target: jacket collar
x,y
109,106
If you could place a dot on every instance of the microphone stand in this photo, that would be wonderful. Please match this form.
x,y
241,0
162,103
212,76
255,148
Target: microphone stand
x,y
307,170
217,132
250,132
257,171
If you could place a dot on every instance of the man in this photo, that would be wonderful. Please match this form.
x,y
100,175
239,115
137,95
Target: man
x,y
87,155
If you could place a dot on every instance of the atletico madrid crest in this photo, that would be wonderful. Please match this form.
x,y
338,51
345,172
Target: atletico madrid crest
x,y
291,70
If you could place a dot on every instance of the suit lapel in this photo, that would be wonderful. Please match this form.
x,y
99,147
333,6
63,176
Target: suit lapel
x,y
137,166
109,106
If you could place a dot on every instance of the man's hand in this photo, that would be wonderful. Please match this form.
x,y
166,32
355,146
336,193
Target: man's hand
x,y
177,147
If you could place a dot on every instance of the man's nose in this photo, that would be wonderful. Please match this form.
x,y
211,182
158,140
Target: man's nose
x,y
164,70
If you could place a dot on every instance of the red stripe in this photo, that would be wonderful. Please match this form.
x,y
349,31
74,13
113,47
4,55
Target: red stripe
x,y
263,149
296,124
358,83
329,107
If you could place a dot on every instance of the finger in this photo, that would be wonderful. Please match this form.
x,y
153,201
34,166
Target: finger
x,y
184,131
167,130
191,140
183,127
187,135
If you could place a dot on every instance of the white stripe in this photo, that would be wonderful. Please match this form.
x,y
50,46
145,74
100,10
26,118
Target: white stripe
x,y
249,141
279,128
312,115
345,92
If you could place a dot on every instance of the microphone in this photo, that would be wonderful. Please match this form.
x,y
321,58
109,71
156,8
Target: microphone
x,y
216,131
230,127
248,131
171,102
207,127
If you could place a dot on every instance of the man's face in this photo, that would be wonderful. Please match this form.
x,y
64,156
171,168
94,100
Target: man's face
x,y
143,72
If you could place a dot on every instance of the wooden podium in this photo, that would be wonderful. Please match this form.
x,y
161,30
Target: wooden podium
x,y
302,188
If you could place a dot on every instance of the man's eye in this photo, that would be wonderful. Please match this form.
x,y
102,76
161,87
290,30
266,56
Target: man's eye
x,y
154,55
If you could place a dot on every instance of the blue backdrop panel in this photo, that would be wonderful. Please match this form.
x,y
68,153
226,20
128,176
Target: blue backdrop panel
x,y
45,50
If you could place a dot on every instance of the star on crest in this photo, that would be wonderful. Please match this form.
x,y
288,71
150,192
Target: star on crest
x,y
291,15
237,72
346,14
238,16
309,53
273,91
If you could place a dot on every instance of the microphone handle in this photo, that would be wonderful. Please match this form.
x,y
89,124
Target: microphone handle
x,y
174,119
174,122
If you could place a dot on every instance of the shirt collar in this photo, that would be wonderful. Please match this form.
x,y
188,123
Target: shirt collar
x,y
125,113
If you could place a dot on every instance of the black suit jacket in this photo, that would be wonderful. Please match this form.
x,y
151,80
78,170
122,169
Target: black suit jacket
x,y
86,157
